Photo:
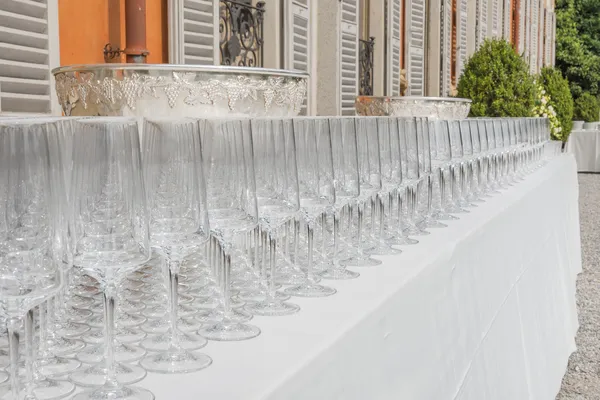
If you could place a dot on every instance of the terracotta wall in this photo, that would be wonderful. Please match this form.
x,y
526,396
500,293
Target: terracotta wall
x,y
84,30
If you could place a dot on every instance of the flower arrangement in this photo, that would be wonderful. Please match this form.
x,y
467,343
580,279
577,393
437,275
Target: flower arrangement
x,y
543,108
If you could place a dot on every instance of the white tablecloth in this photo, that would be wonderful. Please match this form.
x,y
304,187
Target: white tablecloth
x,y
483,309
585,145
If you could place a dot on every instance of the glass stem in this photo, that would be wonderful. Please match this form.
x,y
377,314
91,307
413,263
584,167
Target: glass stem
x,y
272,265
265,237
399,201
359,226
310,239
43,332
226,257
410,204
109,320
381,206
14,336
429,194
173,270
29,355
296,241
324,234
442,177
336,239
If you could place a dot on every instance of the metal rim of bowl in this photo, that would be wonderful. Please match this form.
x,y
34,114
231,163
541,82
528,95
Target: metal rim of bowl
x,y
182,68
416,98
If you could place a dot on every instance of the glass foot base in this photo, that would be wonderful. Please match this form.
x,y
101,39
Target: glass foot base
x,y
382,249
431,223
55,366
444,216
162,342
415,231
308,289
48,389
119,393
339,273
216,315
259,295
360,262
61,346
188,324
229,331
96,375
123,353
274,307
402,241
176,362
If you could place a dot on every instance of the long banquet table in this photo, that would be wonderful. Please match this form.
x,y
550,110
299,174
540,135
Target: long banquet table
x,y
483,309
585,145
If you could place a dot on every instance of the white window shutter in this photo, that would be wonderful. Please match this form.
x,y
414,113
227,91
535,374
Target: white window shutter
x,y
446,48
481,22
553,40
297,39
506,28
522,13
541,27
348,66
394,27
533,50
28,50
496,18
547,39
462,32
193,32
415,52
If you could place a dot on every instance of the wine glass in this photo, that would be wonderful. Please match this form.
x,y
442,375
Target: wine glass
x,y
109,234
233,214
176,197
276,173
32,241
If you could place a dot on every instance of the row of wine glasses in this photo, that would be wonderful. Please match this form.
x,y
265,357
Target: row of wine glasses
x,y
127,244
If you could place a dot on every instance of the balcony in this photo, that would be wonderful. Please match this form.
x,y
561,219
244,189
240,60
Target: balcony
x,y
365,67
241,33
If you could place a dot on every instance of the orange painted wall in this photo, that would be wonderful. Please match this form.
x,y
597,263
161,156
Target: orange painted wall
x,y
84,30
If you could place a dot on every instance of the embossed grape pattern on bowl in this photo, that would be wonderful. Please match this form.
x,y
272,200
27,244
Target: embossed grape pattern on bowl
x,y
178,90
412,106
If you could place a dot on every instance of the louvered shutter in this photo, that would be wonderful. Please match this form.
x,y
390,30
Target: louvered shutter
x,y
533,48
553,39
348,56
522,13
28,50
194,34
297,39
394,28
446,47
481,24
415,53
541,27
496,18
547,40
461,56
506,26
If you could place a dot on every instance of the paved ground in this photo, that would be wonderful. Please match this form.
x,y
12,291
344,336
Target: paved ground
x,y
582,380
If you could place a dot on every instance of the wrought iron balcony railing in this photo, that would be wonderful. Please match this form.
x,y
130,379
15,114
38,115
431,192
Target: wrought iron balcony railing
x,y
367,51
241,33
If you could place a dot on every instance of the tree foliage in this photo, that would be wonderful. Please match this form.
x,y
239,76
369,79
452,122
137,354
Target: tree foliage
x,y
587,108
557,87
498,82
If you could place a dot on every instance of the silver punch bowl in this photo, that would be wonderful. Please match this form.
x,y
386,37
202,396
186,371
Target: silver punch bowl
x,y
412,106
178,90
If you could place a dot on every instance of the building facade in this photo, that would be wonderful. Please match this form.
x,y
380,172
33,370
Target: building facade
x,y
349,47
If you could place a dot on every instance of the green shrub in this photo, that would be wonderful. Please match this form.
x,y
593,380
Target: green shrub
x,y
587,108
498,82
557,87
